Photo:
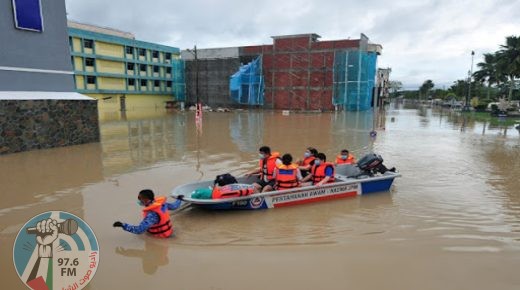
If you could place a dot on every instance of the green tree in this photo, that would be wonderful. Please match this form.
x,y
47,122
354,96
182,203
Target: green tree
x,y
395,86
426,87
489,72
509,60
459,88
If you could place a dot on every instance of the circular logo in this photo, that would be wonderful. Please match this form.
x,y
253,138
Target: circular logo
x,y
256,202
56,250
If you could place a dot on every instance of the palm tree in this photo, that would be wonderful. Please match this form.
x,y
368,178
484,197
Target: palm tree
x,y
489,71
509,60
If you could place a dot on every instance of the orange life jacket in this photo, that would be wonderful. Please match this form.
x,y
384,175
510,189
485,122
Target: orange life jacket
x,y
318,172
307,161
350,159
267,166
163,228
232,190
287,176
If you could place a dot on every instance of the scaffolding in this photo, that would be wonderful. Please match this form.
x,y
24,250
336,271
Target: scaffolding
x,y
354,75
179,81
247,84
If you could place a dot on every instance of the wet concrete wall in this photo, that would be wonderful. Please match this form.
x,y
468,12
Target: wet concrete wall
x,y
39,124
36,61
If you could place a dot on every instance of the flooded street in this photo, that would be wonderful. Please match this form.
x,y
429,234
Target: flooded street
x,y
452,221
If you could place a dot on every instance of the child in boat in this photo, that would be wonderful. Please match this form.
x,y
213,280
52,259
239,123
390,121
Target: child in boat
x,y
287,175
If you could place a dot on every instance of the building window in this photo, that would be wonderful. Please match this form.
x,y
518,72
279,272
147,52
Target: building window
x,y
71,44
143,83
156,83
131,82
155,54
91,80
28,15
168,70
129,50
169,84
168,55
130,66
155,69
88,43
142,52
89,61
142,67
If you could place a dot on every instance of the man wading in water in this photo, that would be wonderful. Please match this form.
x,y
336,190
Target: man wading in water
x,y
156,219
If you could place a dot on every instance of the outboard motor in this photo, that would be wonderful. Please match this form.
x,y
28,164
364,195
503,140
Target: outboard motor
x,y
371,164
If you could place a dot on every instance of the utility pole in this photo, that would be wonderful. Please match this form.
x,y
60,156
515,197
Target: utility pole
x,y
198,105
196,73
470,73
194,53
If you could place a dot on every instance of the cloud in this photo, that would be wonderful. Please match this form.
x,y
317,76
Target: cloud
x,y
428,39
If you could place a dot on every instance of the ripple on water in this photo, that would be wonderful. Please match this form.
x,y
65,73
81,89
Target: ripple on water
x,y
473,249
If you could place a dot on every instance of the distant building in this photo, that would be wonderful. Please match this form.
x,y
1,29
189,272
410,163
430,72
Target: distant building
x,y
215,67
383,84
296,72
123,73
38,105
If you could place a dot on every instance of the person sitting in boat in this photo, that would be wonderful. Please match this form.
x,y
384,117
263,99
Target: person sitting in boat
x,y
308,160
156,219
287,175
321,172
266,168
345,158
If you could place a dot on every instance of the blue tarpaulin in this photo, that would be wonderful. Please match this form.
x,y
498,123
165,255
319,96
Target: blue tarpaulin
x,y
247,84
354,76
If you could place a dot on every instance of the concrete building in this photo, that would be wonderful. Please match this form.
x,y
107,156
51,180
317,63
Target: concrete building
x,y
123,73
38,105
215,66
383,84
297,72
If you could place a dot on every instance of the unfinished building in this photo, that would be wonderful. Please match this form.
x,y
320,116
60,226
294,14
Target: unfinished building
x,y
296,72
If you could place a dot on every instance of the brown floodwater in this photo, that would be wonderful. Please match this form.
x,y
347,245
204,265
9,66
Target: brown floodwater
x,y
451,222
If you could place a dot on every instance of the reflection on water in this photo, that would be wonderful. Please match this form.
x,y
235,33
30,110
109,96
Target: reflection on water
x,y
317,224
153,255
456,207
246,130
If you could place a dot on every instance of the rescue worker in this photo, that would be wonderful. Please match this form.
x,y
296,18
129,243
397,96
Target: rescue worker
x,y
345,158
321,172
287,175
308,160
266,168
156,219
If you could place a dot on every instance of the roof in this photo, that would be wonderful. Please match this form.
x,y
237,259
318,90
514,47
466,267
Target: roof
x,y
27,95
313,35
100,29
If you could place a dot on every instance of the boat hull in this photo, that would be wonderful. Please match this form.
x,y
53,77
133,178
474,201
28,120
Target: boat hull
x,y
343,189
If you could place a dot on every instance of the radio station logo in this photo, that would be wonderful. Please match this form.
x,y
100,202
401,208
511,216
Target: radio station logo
x,y
56,250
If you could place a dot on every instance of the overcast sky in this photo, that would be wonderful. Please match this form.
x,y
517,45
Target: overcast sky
x,y
429,39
